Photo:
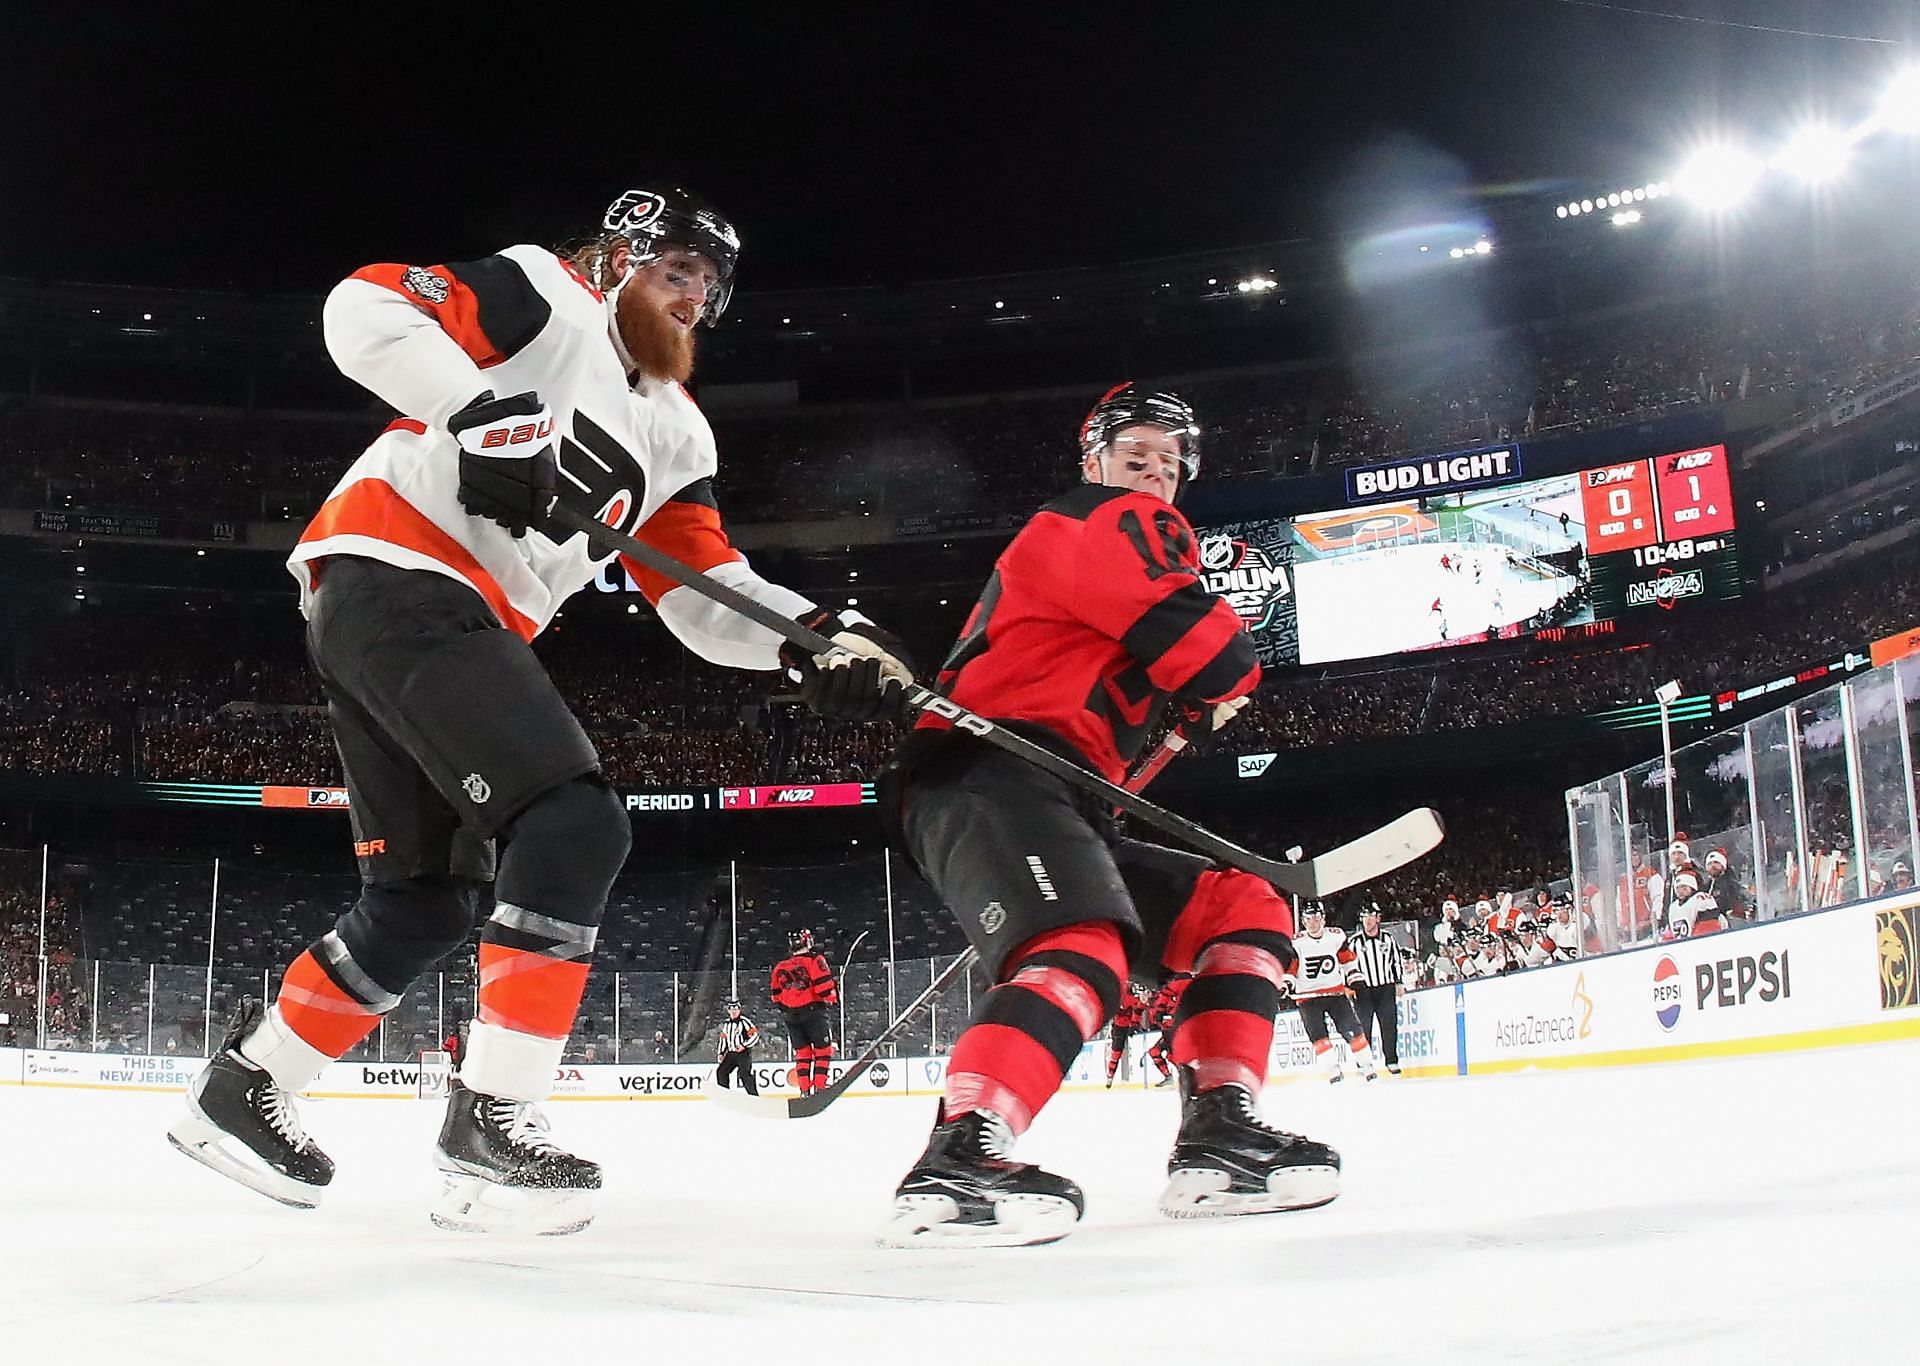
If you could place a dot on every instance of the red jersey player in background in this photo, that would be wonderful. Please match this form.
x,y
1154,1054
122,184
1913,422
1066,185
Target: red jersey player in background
x,y
1160,1016
803,988
1126,1021
1093,621
522,379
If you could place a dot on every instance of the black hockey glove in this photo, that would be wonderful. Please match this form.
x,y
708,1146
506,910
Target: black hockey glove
x,y
866,683
507,466
1199,722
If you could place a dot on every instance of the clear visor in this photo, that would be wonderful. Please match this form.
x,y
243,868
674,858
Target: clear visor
x,y
1138,448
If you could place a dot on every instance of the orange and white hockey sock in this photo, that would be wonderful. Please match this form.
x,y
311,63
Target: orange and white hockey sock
x,y
533,971
326,1005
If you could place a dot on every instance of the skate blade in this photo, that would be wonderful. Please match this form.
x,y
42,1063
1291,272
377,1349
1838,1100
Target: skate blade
x,y
1203,1193
471,1204
931,1221
205,1143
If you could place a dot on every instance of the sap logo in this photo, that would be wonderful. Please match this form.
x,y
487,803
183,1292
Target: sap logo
x,y
1253,765
1694,460
1612,474
800,795
1730,981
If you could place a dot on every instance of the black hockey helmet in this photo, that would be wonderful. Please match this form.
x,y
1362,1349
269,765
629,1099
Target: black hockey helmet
x,y
1128,405
733,1003
653,220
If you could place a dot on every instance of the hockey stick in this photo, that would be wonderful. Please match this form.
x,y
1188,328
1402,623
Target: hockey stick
x,y
805,1107
1372,855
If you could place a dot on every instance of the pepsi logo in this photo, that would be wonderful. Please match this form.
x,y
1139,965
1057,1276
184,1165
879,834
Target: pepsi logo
x,y
1666,992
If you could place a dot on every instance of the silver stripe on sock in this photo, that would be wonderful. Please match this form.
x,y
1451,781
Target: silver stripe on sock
x,y
569,940
332,951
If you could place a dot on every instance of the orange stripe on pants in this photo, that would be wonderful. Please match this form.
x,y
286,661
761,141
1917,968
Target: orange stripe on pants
x,y
319,1011
530,992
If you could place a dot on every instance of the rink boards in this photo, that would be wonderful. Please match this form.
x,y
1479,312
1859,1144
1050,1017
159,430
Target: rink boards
x,y
1839,976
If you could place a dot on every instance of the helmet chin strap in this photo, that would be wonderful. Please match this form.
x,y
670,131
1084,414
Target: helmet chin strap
x,y
613,321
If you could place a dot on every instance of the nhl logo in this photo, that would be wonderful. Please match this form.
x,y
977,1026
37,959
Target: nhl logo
x,y
476,789
425,284
992,918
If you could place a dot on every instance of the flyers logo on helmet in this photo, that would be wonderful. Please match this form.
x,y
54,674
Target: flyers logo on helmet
x,y
633,211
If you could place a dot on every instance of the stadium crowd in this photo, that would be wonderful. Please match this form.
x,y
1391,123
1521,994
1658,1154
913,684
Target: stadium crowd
x,y
1818,340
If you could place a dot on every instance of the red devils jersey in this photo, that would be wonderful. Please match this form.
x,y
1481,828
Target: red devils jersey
x,y
804,980
1132,1009
1093,617
1160,1013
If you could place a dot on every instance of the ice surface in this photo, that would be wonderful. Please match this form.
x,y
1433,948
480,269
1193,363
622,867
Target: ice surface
x,y
1757,1209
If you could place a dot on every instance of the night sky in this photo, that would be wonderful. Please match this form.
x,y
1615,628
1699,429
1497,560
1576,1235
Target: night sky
x,y
260,149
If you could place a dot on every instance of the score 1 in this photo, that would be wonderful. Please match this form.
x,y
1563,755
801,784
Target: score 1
x,y
1617,504
1695,497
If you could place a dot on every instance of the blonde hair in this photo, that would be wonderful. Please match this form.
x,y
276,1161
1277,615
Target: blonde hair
x,y
590,256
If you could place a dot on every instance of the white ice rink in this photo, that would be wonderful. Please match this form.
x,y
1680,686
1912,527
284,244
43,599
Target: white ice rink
x,y
1759,1209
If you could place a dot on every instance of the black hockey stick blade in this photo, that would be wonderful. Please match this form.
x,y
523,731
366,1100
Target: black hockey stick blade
x,y
806,1107
1360,860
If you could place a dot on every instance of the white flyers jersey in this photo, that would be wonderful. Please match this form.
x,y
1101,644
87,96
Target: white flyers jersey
x,y
640,458
1326,963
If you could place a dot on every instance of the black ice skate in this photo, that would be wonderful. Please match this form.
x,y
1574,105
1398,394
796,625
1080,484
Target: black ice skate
x,y
964,1192
503,1174
242,1125
1227,1160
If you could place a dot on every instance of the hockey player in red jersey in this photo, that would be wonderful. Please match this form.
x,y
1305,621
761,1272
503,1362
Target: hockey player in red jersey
x,y
521,379
1127,1021
1160,1016
1093,621
1323,984
803,988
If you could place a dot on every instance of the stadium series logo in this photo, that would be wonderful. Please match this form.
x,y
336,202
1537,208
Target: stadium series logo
x,y
1247,576
1666,588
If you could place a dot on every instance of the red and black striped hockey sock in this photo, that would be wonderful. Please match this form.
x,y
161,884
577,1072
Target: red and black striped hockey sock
x,y
1233,935
822,1055
1056,990
1224,1029
803,1069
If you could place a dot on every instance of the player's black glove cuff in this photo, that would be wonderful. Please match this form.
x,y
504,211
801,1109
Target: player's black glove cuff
x,y
508,471
868,683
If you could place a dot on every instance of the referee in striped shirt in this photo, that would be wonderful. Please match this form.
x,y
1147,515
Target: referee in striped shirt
x,y
737,1038
1377,996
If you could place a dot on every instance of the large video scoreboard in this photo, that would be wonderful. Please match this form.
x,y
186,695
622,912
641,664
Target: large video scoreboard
x,y
1459,548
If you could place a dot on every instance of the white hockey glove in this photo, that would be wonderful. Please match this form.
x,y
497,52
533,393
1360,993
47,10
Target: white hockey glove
x,y
865,680
508,470
1199,722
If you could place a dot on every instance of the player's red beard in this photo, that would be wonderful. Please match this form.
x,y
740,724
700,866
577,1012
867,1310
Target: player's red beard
x,y
654,340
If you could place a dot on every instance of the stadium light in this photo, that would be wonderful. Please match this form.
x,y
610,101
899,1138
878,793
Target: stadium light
x,y
1718,177
1815,154
1900,105
1483,247
1626,218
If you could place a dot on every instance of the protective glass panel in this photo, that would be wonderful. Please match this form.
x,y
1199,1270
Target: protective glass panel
x,y
123,1008
1647,841
180,1009
1715,812
1886,791
1827,793
1775,798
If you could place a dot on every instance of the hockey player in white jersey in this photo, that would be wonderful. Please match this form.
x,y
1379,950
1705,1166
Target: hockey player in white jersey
x,y
1322,983
1692,911
520,378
